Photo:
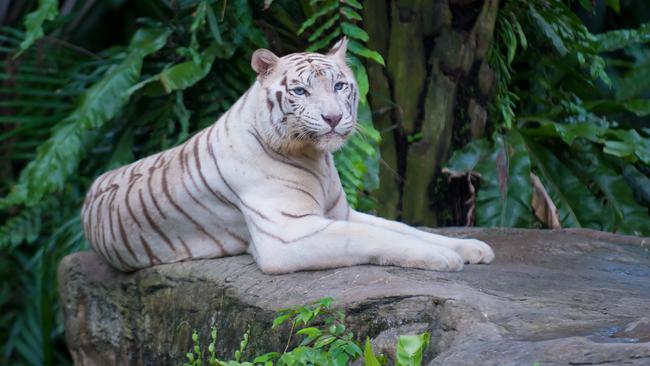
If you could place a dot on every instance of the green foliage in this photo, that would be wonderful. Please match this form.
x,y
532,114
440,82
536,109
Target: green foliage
x,y
70,113
59,156
578,124
325,341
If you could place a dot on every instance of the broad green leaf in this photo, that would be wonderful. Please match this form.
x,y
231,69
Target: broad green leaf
x,y
504,198
47,10
369,357
466,159
578,206
631,217
410,349
630,144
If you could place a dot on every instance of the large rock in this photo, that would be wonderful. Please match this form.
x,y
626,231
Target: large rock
x,y
569,297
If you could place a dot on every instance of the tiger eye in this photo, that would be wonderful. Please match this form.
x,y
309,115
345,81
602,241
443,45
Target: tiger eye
x,y
299,91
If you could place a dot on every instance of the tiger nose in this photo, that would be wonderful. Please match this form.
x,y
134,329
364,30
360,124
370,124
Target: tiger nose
x,y
332,119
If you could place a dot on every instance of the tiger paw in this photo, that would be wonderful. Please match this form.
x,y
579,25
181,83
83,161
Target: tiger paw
x,y
473,251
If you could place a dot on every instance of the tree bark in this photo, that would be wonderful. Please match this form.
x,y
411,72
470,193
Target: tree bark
x,y
431,97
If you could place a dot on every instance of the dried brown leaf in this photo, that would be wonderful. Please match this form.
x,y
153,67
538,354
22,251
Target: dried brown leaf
x,y
543,206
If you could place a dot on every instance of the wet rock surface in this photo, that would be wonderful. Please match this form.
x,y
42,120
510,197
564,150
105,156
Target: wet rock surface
x,y
567,297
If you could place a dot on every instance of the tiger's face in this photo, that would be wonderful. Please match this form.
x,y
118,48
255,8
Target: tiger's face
x,y
311,98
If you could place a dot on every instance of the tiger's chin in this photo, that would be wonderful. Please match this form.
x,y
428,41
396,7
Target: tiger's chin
x,y
330,142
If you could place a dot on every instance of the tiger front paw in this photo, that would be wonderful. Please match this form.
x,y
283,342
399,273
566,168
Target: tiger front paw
x,y
473,251
436,259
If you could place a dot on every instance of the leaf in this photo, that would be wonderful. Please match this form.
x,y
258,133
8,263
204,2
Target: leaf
x,y
312,19
631,145
622,38
410,349
25,226
214,24
350,14
47,10
640,107
638,181
310,332
618,142
631,217
465,160
185,74
59,156
543,206
327,25
578,206
354,31
279,320
324,341
505,195
548,30
266,357
359,49
353,3
369,357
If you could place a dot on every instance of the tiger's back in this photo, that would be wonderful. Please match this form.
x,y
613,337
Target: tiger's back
x,y
163,208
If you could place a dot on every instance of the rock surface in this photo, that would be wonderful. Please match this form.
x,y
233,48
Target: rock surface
x,y
568,297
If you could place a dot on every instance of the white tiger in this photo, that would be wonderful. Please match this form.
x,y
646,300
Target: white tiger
x,y
261,180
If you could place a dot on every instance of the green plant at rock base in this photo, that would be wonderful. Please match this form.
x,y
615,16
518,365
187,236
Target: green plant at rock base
x,y
575,152
76,102
325,341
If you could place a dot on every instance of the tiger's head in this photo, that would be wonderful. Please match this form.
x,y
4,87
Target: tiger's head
x,y
311,98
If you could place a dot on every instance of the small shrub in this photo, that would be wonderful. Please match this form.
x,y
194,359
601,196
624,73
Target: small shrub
x,y
325,341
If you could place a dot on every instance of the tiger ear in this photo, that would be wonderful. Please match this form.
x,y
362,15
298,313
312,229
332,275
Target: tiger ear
x,y
339,49
263,62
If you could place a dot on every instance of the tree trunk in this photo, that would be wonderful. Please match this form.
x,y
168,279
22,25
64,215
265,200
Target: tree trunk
x,y
432,96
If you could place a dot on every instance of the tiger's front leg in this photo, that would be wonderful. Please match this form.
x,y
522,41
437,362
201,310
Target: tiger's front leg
x,y
315,242
471,250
